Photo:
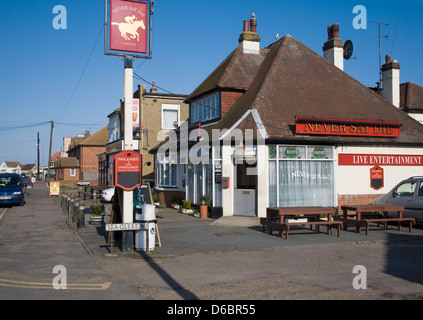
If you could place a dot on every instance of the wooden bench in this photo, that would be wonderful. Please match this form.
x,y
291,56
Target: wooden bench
x,y
366,214
285,227
366,223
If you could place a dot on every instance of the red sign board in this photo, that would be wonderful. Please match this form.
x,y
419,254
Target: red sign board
x,y
128,24
349,159
346,127
128,170
376,178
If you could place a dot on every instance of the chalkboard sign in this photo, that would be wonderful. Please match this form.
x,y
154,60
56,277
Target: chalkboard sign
x,y
142,194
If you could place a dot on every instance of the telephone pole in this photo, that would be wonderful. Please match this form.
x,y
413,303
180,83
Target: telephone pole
x,y
379,24
38,156
49,152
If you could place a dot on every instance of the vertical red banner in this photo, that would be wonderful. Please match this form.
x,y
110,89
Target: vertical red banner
x,y
128,26
376,178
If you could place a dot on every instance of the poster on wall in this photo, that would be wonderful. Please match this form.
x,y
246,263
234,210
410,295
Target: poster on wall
x,y
376,178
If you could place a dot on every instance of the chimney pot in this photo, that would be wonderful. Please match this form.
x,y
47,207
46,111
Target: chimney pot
x,y
330,33
246,26
388,58
253,23
153,88
335,30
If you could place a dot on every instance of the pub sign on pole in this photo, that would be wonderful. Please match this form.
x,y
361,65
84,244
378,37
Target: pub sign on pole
x,y
128,28
128,170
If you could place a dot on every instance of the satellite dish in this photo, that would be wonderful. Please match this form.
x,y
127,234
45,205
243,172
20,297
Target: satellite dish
x,y
348,49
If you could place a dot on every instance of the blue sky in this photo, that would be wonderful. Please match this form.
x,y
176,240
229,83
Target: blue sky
x,y
64,76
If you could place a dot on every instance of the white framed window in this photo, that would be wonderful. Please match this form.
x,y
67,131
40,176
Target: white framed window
x,y
72,172
170,116
166,171
301,176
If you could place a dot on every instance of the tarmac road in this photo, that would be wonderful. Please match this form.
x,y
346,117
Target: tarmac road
x,y
224,259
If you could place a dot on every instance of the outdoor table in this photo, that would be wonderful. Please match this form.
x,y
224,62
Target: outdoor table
x,y
365,214
279,218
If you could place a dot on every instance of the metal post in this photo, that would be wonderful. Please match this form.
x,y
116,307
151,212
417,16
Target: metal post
x,y
128,236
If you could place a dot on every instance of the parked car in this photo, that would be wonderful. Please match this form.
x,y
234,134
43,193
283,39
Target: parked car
x,y
108,194
408,193
12,189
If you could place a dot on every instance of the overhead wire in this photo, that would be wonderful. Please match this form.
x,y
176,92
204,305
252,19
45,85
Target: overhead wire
x,y
82,74
396,28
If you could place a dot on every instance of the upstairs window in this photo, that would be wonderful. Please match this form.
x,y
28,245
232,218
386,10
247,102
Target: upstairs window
x,y
170,116
206,109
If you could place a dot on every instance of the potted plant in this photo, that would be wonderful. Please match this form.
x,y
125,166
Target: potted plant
x,y
205,201
186,206
97,214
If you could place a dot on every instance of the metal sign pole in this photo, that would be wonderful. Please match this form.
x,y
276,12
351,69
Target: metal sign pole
x,y
127,236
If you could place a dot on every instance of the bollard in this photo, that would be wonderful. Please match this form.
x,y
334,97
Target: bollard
x,y
81,215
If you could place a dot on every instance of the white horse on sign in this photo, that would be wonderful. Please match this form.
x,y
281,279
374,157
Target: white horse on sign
x,y
130,28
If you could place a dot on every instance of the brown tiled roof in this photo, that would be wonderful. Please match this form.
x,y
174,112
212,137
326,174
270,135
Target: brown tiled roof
x,y
100,138
295,81
411,96
236,72
12,164
68,162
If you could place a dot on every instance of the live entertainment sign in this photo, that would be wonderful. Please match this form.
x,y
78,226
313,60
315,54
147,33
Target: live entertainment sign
x,y
346,127
347,159
128,24
128,170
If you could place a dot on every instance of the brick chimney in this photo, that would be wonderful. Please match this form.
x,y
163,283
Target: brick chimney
x,y
153,87
249,38
391,81
333,49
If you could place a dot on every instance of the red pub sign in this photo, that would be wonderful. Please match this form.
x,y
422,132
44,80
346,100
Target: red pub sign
x,y
346,127
128,24
376,178
128,170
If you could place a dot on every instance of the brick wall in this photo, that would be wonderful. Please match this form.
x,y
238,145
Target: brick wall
x,y
356,199
89,162
228,99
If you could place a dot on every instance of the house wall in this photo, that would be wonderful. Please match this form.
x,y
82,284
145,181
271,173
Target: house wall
x,y
89,163
151,121
228,99
63,175
353,181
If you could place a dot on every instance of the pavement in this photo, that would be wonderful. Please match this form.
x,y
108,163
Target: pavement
x,y
183,234
227,258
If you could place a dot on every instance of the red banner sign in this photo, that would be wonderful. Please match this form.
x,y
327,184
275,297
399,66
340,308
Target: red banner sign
x,y
345,127
128,170
376,178
128,24
345,159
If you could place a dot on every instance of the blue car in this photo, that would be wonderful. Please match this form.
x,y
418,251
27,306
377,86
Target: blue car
x,y
12,189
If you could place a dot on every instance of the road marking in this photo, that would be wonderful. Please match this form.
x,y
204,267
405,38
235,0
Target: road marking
x,y
48,285
2,212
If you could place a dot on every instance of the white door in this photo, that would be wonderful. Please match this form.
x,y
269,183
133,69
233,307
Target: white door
x,y
244,191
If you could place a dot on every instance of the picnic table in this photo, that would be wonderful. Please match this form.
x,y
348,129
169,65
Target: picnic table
x,y
282,218
363,215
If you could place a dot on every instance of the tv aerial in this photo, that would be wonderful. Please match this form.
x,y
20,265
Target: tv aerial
x,y
348,50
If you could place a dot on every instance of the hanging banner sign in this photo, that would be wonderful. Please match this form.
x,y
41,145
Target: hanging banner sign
x,y
135,113
346,127
376,178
